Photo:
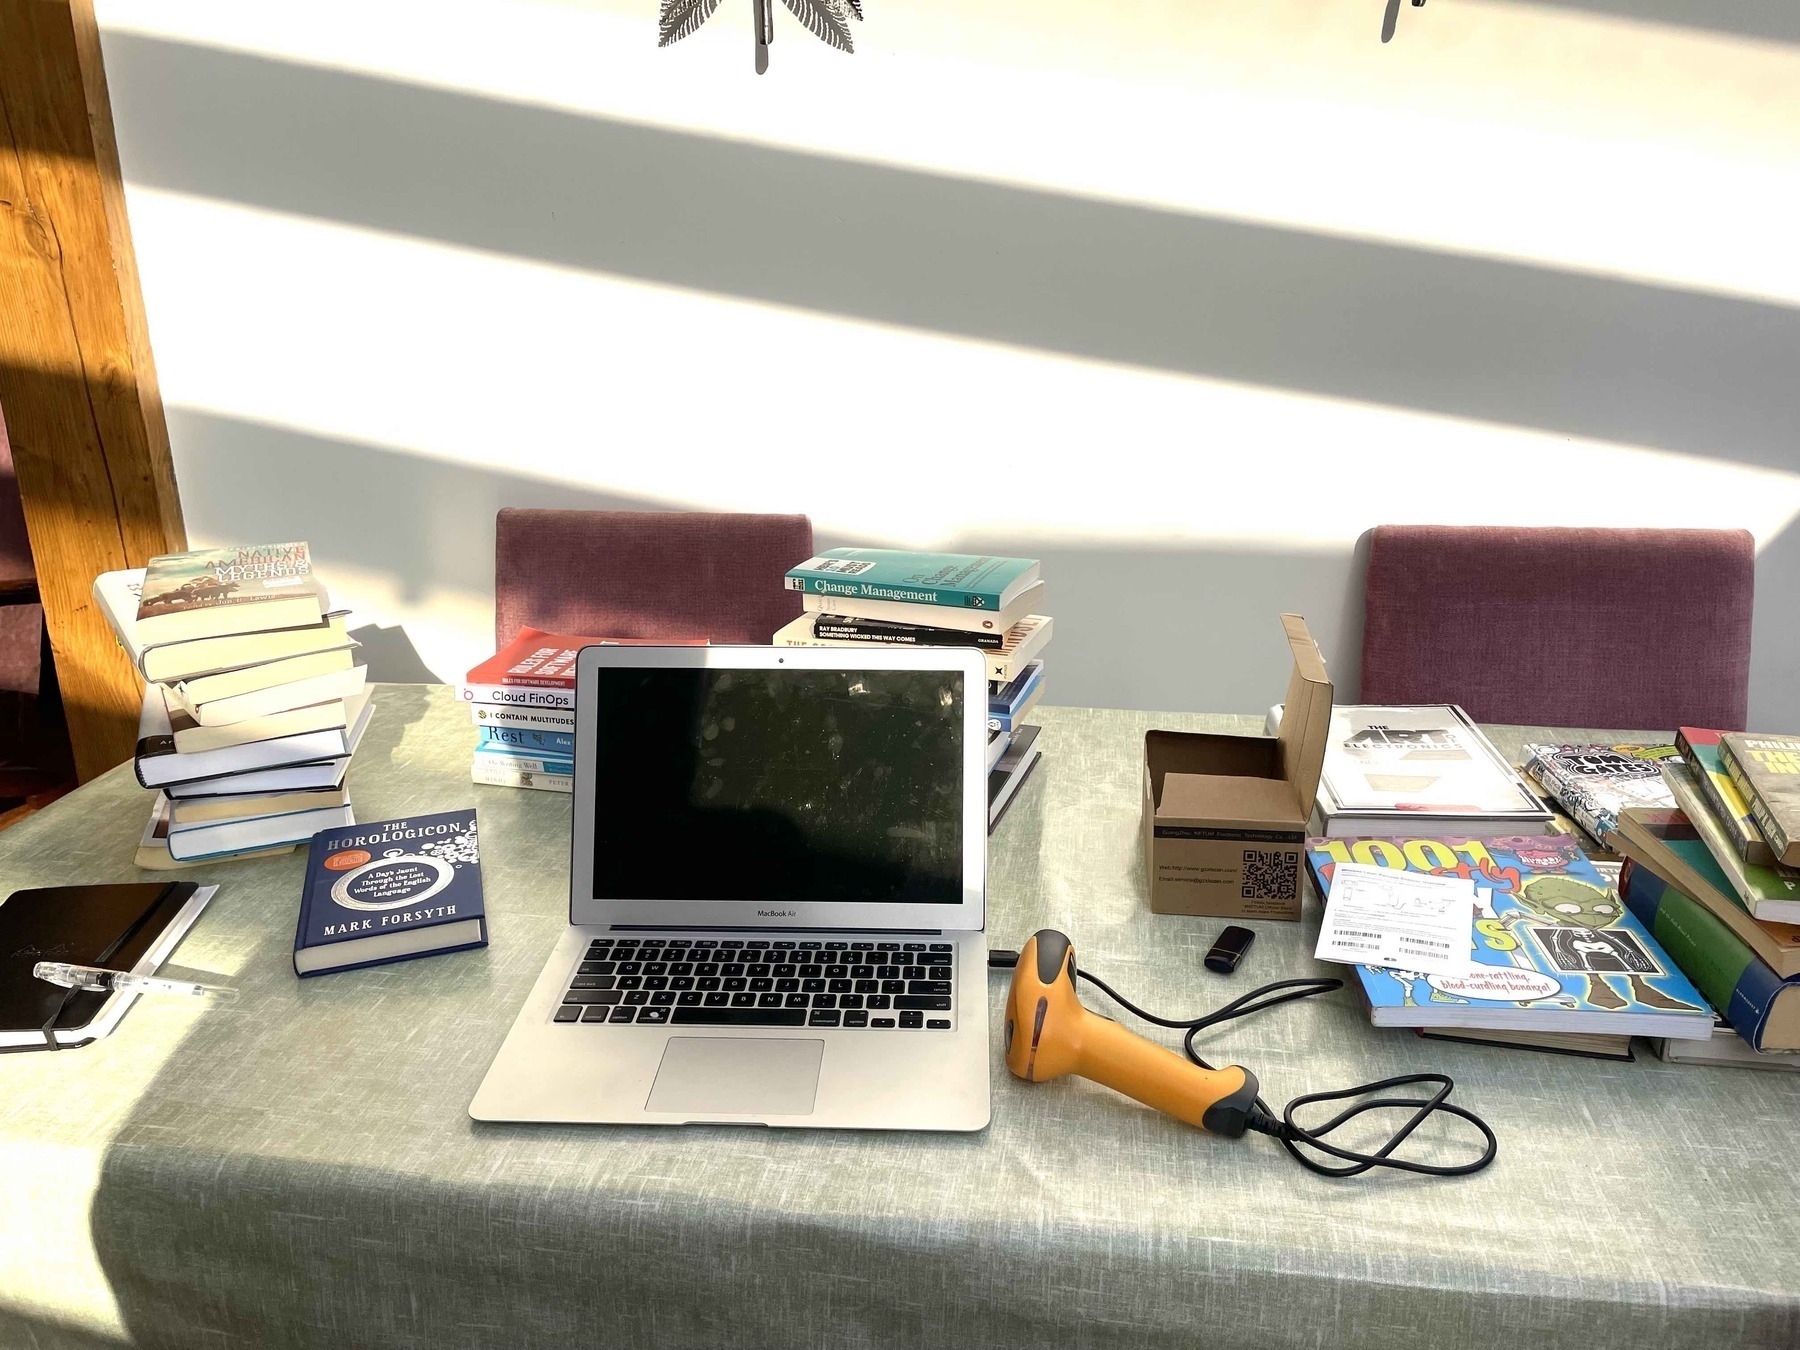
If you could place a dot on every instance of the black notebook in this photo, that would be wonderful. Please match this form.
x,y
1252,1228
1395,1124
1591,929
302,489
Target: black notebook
x,y
131,927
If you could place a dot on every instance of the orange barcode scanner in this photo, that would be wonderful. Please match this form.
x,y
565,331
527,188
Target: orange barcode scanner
x,y
1050,1033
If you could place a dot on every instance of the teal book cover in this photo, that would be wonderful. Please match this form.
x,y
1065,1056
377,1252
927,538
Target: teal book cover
x,y
1547,933
959,580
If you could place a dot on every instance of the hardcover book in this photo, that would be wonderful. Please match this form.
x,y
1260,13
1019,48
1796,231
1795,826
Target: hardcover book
x,y
953,580
229,838
1551,946
390,891
1668,843
119,593
1009,654
153,846
490,773
1699,749
1593,783
211,592
1764,1008
1766,770
160,762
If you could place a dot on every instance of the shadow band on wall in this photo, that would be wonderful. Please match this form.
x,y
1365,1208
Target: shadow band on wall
x,y
1499,342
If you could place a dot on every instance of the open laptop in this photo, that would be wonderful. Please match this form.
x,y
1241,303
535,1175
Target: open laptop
x,y
777,896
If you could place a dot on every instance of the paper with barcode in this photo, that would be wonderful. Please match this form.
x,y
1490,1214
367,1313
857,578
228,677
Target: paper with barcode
x,y
1381,916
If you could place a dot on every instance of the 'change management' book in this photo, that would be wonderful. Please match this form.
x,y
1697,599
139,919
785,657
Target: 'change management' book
x,y
391,890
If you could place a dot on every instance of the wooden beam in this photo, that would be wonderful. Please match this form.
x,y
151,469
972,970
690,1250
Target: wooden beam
x,y
77,384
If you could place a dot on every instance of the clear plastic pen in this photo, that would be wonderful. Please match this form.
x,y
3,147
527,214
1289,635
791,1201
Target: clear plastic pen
x,y
111,981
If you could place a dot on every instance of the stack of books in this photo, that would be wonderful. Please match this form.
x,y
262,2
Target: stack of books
x,y
863,597
1713,877
522,701
253,701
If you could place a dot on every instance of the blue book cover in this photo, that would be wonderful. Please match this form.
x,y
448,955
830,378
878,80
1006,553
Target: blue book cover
x,y
529,741
960,580
1553,946
522,761
1009,697
391,890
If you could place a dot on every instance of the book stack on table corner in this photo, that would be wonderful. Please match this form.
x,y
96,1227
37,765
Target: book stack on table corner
x,y
522,701
253,700
863,597
1713,876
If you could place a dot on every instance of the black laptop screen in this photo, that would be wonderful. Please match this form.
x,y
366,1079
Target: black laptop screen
x,y
824,786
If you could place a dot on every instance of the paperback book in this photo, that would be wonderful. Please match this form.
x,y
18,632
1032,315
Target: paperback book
x,y
950,580
1699,749
506,760
1008,654
391,891
491,771
1766,770
1026,602
528,741
1769,893
1551,946
1593,783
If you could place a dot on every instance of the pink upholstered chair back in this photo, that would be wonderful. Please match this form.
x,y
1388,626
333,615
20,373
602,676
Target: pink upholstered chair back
x,y
646,574
1562,627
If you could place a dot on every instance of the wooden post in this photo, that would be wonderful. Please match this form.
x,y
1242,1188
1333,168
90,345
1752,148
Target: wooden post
x,y
77,385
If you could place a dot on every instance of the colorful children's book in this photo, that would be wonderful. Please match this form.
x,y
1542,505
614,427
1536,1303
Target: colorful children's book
x,y
1593,783
1764,1008
1552,948
956,580
1699,749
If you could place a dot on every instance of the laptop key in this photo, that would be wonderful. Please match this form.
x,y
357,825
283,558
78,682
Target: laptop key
x,y
680,982
796,1000
837,972
881,1022
768,1000
761,984
893,986
591,982
656,981
812,986
811,972
912,1021
862,972
878,1001
788,986
928,987
839,986
935,958
597,968
856,1018
654,1017
717,1000
760,970
850,1000
662,999
688,1000
936,1024
622,1014
921,1002
740,1017
941,947
636,998
591,996
736,984
825,1000
823,1017
887,946
783,972
596,1014
868,987
748,1001
707,983
569,1012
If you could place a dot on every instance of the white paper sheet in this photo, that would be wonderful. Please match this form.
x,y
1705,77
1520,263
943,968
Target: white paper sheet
x,y
1380,916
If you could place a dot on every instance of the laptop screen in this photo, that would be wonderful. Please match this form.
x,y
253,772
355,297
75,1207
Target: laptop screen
x,y
789,785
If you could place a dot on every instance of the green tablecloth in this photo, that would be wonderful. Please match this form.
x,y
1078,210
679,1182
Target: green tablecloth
x,y
298,1168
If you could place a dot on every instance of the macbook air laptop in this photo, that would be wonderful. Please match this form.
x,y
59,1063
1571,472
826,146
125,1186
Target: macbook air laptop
x,y
777,894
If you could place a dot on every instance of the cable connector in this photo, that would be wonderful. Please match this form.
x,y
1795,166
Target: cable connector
x,y
1001,959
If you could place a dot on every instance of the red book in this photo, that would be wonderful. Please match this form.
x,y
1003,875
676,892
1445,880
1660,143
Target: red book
x,y
537,669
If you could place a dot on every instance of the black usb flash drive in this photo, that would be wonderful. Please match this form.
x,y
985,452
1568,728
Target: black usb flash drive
x,y
1229,949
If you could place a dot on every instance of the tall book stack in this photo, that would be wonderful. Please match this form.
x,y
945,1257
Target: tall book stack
x,y
253,701
1707,879
522,701
864,597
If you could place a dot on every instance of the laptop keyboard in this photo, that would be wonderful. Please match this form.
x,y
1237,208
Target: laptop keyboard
x,y
731,982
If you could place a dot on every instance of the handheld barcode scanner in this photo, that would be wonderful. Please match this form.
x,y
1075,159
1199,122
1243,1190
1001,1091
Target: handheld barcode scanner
x,y
1050,1033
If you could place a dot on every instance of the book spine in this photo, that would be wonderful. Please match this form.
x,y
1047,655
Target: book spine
x,y
1722,795
850,629
530,719
518,696
523,762
1778,840
555,744
945,597
1721,966
501,777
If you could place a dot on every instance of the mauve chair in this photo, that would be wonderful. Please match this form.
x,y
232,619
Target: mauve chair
x,y
1641,629
646,574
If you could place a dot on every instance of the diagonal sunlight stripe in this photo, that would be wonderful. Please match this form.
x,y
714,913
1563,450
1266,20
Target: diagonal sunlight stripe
x,y
1495,131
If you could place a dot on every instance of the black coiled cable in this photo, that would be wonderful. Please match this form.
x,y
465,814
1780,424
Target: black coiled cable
x,y
1292,1135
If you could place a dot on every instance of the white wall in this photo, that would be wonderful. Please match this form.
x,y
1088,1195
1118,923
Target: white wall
x,y
1182,296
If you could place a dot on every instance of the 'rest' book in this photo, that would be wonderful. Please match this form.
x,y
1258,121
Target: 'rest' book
x,y
391,890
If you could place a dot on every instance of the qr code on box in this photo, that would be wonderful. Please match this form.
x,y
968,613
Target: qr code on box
x,y
1270,876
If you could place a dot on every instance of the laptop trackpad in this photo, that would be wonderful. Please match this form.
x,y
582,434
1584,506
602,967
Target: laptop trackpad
x,y
737,1076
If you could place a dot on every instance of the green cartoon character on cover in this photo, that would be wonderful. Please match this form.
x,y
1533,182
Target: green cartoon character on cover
x,y
1578,940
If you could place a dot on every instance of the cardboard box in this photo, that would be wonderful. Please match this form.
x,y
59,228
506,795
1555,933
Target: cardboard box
x,y
1225,816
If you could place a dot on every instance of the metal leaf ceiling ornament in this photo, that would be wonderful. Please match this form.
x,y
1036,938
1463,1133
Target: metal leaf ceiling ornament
x,y
827,20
